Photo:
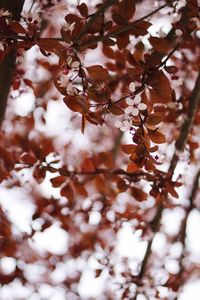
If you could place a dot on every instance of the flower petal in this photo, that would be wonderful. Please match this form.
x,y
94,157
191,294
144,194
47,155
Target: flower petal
x,y
128,110
126,123
69,60
135,112
142,106
130,101
75,64
137,99
123,128
118,124
178,32
132,87
63,81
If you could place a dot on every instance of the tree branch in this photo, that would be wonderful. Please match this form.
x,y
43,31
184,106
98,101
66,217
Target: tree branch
x,y
122,29
182,237
139,174
180,143
194,101
8,63
88,24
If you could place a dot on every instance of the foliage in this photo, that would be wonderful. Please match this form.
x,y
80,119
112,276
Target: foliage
x,y
134,94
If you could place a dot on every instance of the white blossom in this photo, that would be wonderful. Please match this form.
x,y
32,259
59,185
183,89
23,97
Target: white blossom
x,y
68,27
118,124
4,13
126,125
179,81
132,87
135,106
176,17
196,21
161,33
71,63
178,32
155,4
64,82
1,46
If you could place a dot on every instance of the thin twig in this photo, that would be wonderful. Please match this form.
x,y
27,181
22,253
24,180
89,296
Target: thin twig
x,y
182,237
107,172
122,29
33,2
88,24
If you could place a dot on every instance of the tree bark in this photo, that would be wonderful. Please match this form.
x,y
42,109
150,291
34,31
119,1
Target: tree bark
x,y
7,65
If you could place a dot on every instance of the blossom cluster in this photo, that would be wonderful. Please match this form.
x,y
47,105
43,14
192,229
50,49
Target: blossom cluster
x,y
134,108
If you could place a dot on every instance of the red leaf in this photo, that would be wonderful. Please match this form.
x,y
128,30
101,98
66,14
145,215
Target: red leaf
x,y
98,73
171,69
106,158
127,9
122,41
50,45
80,189
153,120
138,194
57,181
28,82
108,51
18,28
75,104
116,110
132,167
160,44
83,9
67,192
117,18
156,136
122,185
161,86
28,159
128,149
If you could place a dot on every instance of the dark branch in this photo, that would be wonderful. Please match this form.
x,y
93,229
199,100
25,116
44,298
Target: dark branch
x,y
85,28
8,63
194,101
139,174
182,237
179,146
122,29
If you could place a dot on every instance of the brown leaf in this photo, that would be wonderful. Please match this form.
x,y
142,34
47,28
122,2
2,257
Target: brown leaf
x,y
154,120
67,192
127,9
50,45
98,73
128,149
57,181
80,189
17,27
83,9
116,110
28,158
156,136
161,86
122,185
108,52
106,158
138,194
160,44
132,167
75,104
